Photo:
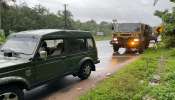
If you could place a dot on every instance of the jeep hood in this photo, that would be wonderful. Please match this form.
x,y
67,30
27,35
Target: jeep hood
x,y
11,61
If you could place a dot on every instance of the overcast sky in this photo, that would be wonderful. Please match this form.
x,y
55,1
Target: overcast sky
x,y
106,10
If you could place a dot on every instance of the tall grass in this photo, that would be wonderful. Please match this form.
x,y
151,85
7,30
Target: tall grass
x,y
133,81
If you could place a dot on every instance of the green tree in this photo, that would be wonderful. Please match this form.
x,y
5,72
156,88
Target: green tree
x,y
22,17
4,7
168,19
69,19
105,27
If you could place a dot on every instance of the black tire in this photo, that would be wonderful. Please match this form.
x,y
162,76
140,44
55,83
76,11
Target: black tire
x,y
11,93
147,44
115,48
85,70
129,51
141,49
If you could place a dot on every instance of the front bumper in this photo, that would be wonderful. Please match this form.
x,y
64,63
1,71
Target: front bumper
x,y
97,61
127,44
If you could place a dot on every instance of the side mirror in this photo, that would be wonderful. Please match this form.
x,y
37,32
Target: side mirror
x,y
43,55
113,27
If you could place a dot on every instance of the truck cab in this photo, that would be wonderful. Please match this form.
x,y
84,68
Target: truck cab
x,y
132,36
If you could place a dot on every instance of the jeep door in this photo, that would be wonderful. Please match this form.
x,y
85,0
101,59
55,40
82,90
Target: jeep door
x,y
91,49
53,65
77,51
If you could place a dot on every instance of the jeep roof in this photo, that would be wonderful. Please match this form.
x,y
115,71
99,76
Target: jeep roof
x,y
53,33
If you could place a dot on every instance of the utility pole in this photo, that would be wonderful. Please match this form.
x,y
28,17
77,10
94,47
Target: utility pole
x,y
115,25
155,2
65,16
0,14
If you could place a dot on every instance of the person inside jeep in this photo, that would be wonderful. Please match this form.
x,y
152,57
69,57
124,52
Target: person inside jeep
x,y
59,49
43,46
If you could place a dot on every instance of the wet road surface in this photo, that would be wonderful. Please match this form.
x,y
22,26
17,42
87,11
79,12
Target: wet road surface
x,y
70,88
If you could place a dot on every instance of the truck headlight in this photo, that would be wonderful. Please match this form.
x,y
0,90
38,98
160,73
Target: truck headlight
x,y
136,40
132,43
115,39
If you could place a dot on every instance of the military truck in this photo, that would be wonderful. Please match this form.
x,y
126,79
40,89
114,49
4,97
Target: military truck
x,y
132,36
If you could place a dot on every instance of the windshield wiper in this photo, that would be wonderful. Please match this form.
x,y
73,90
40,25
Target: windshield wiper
x,y
13,51
21,53
3,50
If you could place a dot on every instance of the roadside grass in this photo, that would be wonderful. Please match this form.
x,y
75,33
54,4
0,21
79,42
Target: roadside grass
x,y
101,38
132,82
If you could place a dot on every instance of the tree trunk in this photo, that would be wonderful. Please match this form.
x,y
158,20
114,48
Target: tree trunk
x,y
7,32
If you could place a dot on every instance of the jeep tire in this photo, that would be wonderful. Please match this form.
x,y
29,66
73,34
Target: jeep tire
x,y
11,93
85,70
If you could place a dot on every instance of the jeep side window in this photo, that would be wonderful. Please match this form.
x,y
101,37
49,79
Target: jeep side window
x,y
77,45
53,47
90,43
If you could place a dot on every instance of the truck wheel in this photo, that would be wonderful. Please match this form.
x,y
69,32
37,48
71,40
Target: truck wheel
x,y
11,93
85,71
147,45
141,49
115,48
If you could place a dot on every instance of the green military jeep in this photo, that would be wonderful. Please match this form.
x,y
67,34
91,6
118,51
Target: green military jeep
x,y
32,58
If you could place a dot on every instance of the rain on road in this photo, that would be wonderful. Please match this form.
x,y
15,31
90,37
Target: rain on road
x,y
70,88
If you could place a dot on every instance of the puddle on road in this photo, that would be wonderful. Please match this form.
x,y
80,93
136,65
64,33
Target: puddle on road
x,y
113,61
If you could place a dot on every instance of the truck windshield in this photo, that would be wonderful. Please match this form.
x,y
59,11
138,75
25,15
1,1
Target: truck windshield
x,y
129,27
22,45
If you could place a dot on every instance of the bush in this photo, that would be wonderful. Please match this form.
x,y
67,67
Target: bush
x,y
168,36
2,38
168,18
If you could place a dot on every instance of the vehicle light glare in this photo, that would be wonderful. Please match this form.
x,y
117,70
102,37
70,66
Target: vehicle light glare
x,y
136,40
115,39
132,43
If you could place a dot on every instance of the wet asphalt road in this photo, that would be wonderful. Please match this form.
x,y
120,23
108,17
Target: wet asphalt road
x,y
70,88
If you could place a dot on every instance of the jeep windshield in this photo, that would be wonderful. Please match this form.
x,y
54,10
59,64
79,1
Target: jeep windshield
x,y
129,27
20,45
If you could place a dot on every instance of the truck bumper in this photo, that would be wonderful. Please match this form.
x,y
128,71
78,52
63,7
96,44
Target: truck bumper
x,y
113,42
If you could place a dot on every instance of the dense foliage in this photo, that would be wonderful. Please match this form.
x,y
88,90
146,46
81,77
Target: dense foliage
x,y
2,38
168,19
22,17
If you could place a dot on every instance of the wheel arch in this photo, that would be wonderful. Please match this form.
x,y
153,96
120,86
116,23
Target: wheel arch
x,y
14,81
87,59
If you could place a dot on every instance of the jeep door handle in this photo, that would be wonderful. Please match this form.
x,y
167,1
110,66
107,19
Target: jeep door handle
x,y
84,53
